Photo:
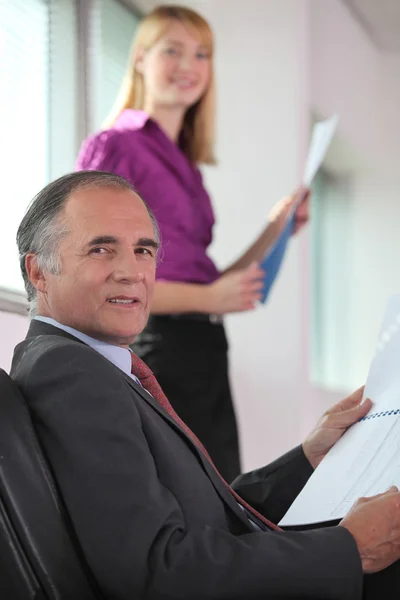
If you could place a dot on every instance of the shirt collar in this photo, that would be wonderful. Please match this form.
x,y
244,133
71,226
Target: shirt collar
x,y
131,119
120,357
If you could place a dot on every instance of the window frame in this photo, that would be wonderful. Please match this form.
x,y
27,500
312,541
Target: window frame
x,y
84,68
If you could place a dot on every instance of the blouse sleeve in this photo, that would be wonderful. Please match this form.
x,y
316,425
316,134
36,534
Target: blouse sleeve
x,y
106,151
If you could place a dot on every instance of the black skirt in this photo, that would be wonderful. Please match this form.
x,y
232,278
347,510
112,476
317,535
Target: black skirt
x,y
188,355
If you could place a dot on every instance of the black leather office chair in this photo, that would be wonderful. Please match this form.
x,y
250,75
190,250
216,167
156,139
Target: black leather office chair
x,y
40,558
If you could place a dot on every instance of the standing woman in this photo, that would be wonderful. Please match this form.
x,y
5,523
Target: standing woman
x,y
161,129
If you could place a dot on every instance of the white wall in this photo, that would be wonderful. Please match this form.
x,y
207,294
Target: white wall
x,y
390,67
13,329
345,75
350,76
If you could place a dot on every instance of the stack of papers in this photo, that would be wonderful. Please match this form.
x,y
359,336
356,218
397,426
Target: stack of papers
x,y
321,138
366,459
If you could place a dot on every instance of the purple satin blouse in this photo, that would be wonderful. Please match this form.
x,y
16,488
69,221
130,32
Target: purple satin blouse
x,y
137,149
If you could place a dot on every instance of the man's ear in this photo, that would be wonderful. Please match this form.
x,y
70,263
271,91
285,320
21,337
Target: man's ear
x,y
35,274
139,60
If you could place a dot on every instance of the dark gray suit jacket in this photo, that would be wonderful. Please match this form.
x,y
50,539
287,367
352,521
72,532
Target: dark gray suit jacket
x,y
152,517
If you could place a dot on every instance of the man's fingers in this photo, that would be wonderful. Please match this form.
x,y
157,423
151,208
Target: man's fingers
x,y
348,417
349,402
392,490
361,409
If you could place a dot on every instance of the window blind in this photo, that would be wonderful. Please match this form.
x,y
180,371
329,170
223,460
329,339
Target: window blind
x,y
24,123
117,28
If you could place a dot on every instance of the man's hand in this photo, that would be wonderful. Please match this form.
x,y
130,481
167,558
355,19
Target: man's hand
x,y
333,424
375,525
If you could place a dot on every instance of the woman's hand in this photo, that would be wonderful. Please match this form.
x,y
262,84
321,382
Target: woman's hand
x,y
236,291
282,208
302,213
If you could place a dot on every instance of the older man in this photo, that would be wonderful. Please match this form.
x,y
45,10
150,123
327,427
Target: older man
x,y
153,517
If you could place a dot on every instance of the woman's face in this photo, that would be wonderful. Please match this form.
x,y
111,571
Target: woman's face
x,y
176,70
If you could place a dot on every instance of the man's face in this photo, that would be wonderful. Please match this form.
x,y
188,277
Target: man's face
x,y
108,264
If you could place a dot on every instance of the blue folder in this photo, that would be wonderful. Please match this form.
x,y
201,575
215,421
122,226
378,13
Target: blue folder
x,y
273,259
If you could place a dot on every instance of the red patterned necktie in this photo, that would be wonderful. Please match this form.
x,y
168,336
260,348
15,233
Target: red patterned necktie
x,y
150,383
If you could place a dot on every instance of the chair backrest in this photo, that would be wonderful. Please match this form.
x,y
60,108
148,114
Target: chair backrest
x,y
40,558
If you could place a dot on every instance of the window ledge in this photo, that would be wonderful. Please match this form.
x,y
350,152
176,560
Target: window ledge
x,y
13,301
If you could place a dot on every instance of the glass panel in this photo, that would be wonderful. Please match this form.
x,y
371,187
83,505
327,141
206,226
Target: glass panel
x,y
331,282
117,29
24,117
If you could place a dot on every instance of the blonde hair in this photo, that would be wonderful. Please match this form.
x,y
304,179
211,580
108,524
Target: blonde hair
x,y
197,135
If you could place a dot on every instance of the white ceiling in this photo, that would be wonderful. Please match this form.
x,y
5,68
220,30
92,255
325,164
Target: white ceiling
x,y
380,19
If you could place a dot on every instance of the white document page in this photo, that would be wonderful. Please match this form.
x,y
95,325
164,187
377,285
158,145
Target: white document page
x,y
322,135
366,460
321,138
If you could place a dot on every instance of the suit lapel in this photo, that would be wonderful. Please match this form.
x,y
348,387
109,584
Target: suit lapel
x,y
219,486
38,328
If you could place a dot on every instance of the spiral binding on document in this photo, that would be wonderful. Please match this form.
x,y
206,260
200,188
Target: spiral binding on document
x,y
386,413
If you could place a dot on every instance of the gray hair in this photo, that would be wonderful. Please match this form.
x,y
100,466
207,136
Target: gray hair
x,y
42,229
